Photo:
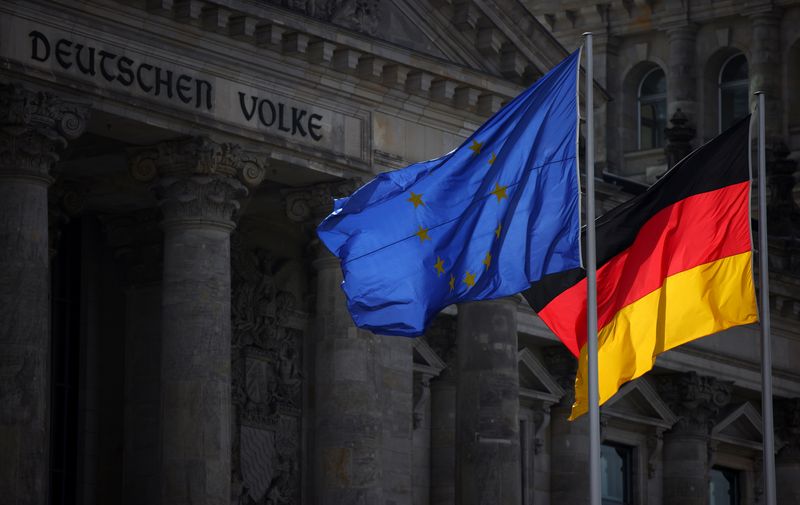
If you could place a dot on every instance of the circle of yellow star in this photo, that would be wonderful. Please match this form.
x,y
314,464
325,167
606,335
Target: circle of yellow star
x,y
416,199
439,266
422,233
493,159
452,282
487,260
469,279
476,146
497,230
499,191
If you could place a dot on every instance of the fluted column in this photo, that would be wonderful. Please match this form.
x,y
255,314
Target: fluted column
x,y
33,126
696,400
682,71
197,185
347,453
787,463
487,405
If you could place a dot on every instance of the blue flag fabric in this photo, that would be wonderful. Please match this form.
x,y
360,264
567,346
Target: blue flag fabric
x,y
481,222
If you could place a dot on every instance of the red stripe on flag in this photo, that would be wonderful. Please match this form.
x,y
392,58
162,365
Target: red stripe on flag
x,y
697,230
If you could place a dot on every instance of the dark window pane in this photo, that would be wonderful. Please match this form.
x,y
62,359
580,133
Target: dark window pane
x,y
655,83
652,110
615,474
724,487
735,69
652,121
734,92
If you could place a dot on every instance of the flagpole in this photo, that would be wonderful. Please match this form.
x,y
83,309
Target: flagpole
x,y
591,284
766,349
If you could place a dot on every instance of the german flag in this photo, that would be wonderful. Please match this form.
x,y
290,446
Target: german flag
x,y
673,265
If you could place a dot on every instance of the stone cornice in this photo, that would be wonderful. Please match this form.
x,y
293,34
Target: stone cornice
x,y
287,34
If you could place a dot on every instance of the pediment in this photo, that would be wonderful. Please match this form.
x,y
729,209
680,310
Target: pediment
x,y
535,383
639,402
741,426
426,360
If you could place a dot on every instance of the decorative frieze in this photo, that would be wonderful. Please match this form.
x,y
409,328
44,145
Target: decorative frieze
x,y
695,399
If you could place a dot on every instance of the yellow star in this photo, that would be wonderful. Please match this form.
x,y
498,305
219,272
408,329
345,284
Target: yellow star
x,y
499,191
452,282
422,233
476,146
416,199
487,260
439,266
469,279
493,159
497,230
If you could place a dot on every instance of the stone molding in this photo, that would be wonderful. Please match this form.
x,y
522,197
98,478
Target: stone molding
x,y
34,125
695,399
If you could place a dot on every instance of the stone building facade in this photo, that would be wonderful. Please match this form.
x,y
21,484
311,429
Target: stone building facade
x,y
171,332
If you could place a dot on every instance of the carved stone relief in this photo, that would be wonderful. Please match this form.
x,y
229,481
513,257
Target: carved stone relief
x,y
358,15
267,384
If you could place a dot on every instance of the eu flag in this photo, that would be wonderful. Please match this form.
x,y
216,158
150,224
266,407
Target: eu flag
x,y
481,222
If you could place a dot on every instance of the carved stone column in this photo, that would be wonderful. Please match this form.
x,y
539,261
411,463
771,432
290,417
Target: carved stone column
x,y
33,126
679,138
787,463
197,185
682,71
487,418
441,338
687,448
569,440
348,426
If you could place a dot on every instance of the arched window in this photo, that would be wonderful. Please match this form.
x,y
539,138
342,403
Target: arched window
x,y
734,91
652,98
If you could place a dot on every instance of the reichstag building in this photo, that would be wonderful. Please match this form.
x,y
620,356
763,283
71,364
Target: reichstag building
x,y
173,333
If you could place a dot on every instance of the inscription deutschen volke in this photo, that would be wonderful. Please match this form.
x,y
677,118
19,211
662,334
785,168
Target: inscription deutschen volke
x,y
120,65
152,79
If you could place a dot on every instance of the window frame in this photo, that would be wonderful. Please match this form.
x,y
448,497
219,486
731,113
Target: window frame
x,y
729,85
651,99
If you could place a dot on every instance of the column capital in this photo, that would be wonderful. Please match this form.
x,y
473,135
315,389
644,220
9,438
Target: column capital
x,y
33,126
197,181
696,399
197,156
313,203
